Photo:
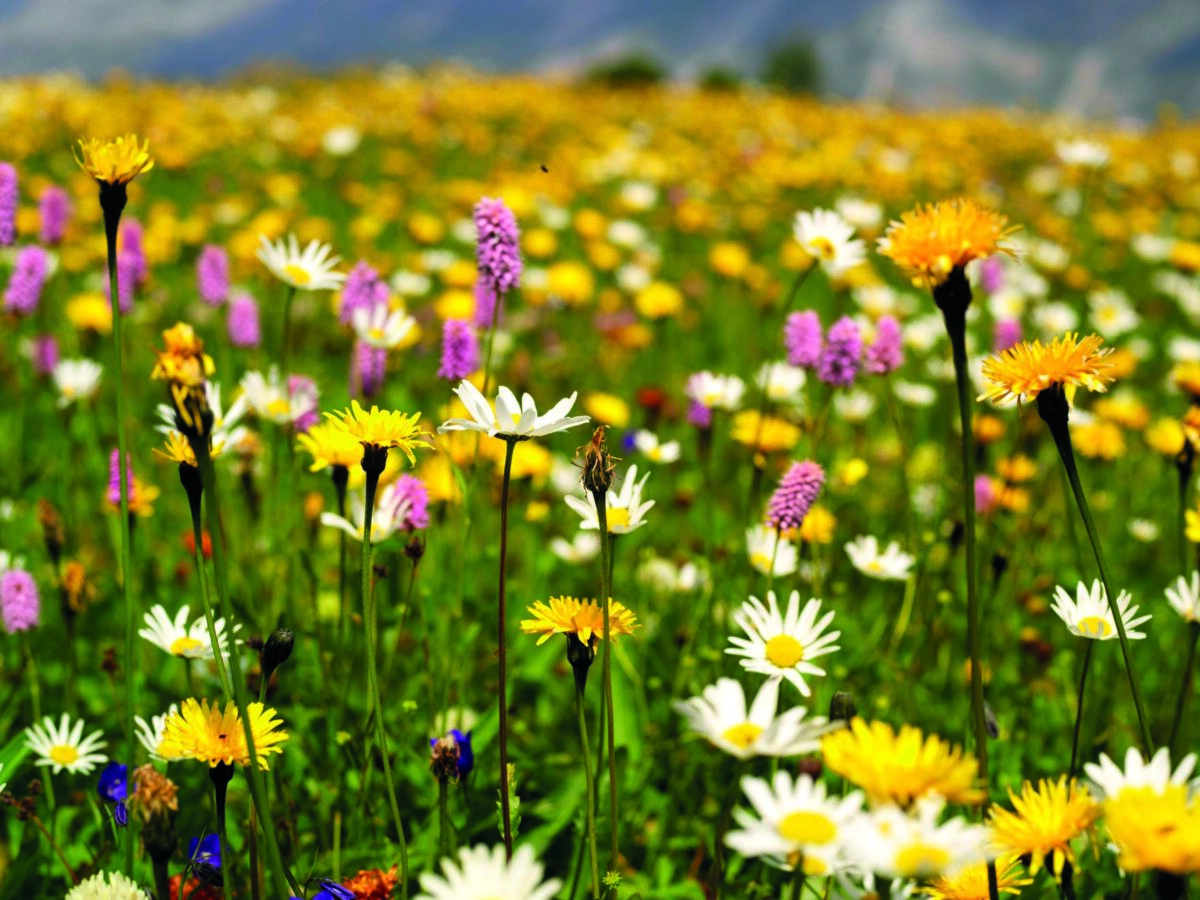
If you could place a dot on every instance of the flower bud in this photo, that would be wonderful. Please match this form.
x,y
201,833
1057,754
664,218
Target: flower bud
x,y
276,651
841,707
598,464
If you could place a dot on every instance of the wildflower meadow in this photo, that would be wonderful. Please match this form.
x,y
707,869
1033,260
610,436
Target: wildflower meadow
x,y
437,485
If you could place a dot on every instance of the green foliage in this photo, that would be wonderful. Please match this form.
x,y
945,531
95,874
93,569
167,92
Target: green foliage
x,y
637,69
793,66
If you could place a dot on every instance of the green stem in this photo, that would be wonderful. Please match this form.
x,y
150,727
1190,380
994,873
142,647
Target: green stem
x,y
600,499
219,790
112,219
1087,661
443,819
281,873
287,334
510,445
35,690
718,872
585,753
1183,466
1059,430
1185,686
195,494
798,878
954,304
373,673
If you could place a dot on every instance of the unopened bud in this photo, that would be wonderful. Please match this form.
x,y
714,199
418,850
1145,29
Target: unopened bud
x,y
598,464
276,650
415,548
444,760
580,656
841,707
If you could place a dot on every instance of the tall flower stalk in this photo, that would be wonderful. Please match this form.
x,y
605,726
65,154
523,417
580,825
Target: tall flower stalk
x,y
113,164
510,444
933,245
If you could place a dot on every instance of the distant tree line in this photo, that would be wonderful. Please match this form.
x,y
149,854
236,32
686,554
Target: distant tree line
x,y
790,65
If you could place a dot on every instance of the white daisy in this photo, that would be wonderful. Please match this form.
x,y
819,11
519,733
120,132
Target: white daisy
x,y
648,444
891,565
270,398
794,819
178,639
829,238
1082,153
863,214
915,394
1054,318
719,715
106,886
1111,313
783,646
770,553
310,270
1184,597
411,284
510,419
715,391
783,383
854,405
1089,615
483,874
1109,779
890,842
624,510
64,747
391,511
580,549
151,734
380,327
76,379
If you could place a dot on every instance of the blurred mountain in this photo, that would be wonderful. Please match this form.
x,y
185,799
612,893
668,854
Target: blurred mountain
x,y
1113,57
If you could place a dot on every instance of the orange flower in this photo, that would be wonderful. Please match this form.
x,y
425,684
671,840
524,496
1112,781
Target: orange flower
x,y
930,242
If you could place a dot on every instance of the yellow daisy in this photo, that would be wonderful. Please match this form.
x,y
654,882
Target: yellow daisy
x,y
1028,368
201,732
766,434
1186,376
1043,822
330,445
116,161
900,768
930,242
970,882
582,618
380,428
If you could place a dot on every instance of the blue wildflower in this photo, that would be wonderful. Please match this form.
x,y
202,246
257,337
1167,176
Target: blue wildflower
x,y
466,756
331,890
113,787
204,858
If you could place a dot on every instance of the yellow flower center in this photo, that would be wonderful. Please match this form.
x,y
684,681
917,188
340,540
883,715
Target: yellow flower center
x,y
297,275
181,646
1094,626
760,561
64,754
743,735
655,453
921,860
618,517
278,407
822,247
784,651
875,566
807,828
376,334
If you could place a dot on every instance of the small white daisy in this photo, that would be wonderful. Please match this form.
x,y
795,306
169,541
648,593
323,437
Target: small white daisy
x,y
794,820
1082,153
1184,597
891,565
580,549
720,716
765,545
76,379
106,886
1089,615
1109,779
715,391
482,874
270,398
310,270
391,512
891,842
829,238
648,444
64,746
380,327
510,419
624,510
783,645
782,383
226,430
151,734
178,639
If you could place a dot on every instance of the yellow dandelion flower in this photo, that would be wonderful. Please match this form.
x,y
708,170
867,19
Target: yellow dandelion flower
x,y
1155,830
201,732
1098,440
1043,822
1186,376
658,300
818,525
1017,469
582,618
1166,436
380,428
1192,530
930,242
970,882
116,161
765,434
183,360
900,768
90,312
1028,368
330,445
